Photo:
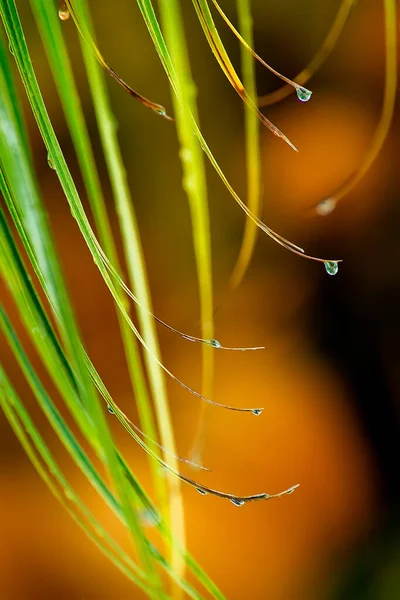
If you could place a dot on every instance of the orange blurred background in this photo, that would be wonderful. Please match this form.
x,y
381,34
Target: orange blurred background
x,y
328,379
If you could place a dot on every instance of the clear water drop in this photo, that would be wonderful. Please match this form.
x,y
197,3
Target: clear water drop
x,y
156,553
236,501
63,12
50,162
331,267
303,94
160,111
186,155
215,344
325,207
110,409
201,491
149,518
38,331
11,49
99,531
257,411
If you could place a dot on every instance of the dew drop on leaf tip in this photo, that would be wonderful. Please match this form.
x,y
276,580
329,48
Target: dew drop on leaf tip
x,y
149,518
63,13
257,411
303,94
331,267
325,207
50,162
236,501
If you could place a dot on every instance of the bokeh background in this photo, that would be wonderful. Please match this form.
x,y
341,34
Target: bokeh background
x,y
329,378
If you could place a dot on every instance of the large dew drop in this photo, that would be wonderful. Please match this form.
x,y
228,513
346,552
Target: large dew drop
x,y
325,207
236,501
149,518
201,491
331,267
63,13
257,411
50,162
215,344
110,409
303,94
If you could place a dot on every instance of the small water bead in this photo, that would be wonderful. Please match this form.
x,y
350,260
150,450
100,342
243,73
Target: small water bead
x,y
69,494
303,94
11,49
160,111
38,331
50,162
189,183
155,552
149,518
110,409
215,344
325,207
236,501
99,531
257,411
331,267
186,155
201,491
63,12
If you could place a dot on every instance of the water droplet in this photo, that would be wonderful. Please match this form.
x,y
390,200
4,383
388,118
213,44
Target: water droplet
x,y
236,501
201,491
38,331
63,12
186,155
156,553
215,344
331,267
50,162
162,471
11,49
160,111
149,517
325,207
189,184
303,94
110,409
257,411
99,531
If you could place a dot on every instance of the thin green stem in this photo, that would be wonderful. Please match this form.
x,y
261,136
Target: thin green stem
x,y
138,278
382,129
252,136
50,30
